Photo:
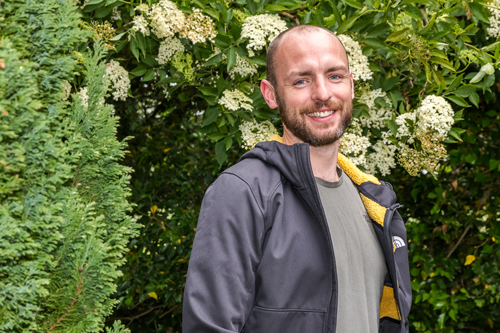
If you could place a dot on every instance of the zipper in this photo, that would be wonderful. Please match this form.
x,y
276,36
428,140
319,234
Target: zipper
x,y
309,177
392,261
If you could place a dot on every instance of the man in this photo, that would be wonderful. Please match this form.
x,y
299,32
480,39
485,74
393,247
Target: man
x,y
294,238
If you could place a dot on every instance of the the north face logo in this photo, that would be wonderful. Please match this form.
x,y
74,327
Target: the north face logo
x,y
398,241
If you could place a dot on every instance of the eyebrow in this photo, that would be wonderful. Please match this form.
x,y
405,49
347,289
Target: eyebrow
x,y
309,73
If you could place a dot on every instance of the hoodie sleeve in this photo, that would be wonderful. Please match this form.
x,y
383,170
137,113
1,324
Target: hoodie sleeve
x,y
219,291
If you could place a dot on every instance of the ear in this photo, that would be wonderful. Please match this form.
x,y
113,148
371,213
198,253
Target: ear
x,y
267,90
352,84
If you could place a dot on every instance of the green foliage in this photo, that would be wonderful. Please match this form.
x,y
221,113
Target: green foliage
x,y
63,222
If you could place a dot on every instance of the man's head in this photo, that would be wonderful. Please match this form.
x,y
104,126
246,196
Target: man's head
x,y
310,82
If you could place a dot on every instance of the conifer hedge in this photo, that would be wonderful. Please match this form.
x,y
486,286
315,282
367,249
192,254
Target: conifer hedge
x,y
64,214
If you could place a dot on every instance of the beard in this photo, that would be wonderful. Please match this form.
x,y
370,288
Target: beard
x,y
298,126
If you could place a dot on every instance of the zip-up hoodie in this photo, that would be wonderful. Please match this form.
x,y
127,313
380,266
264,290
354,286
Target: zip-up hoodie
x,y
263,260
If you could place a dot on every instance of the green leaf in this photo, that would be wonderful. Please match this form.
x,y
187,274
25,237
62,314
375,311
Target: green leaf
x,y
441,319
220,151
133,48
139,70
398,35
442,62
474,98
375,42
207,91
465,90
258,60
455,83
103,12
353,3
212,12
118,37
478,12
150,74
414,12
389,83
458,116
391,123
141,42
347,24
214,60
458,100
231,58
229,142
456,133
211,115
428,26
252,6
275,8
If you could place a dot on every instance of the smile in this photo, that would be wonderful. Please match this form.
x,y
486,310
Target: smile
x,y
321,114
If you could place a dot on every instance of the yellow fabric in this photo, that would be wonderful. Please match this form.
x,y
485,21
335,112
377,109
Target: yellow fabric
x,y
388,306
376,212
276,137
354,173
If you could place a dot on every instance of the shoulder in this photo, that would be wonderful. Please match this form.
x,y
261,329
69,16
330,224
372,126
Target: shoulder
x,y
252,175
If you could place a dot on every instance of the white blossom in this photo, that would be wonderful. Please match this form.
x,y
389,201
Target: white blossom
x,y
166,19
119,79
66,89
358,62
235,100
243,68
494,29
84,97
140,25
382,159
434,117
168,48
355,147
115,14
404,127
198,27
144,8
260,30
377,114
253,132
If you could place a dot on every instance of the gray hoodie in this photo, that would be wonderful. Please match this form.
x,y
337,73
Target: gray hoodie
x,y
263,260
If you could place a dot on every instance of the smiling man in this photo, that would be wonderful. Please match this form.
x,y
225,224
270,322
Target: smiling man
x,y
294,238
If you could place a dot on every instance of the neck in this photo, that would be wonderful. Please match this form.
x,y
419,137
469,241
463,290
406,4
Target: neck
x,y
323,159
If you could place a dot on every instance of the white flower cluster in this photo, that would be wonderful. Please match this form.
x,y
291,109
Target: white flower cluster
x,y
168,48
243,68
382,159
166,19
253,132
84,97
261,29
198,27
377,114
115,14
66,90
404,127
355,146
119,78
434,117
140,25
358,62
235,100
494,29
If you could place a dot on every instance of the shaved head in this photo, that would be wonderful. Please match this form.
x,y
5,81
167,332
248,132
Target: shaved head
x,y
275,44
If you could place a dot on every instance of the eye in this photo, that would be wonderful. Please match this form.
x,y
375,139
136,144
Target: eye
x,y
335,76
299,82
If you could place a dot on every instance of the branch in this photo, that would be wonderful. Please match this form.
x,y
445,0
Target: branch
x,y
291,16
426,21
135,317
78,291
459,241
302,9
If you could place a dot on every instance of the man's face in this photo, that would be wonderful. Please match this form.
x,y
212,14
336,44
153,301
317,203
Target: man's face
x,y
315,87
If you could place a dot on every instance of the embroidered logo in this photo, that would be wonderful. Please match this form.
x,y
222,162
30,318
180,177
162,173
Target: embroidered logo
x,y
398,242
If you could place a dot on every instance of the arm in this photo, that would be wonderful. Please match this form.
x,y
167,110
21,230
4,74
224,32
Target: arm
x,y
220,282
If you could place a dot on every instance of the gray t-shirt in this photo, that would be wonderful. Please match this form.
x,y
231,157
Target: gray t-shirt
x,y
361,267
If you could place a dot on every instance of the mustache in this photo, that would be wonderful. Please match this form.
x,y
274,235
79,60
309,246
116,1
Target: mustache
x,y
319,105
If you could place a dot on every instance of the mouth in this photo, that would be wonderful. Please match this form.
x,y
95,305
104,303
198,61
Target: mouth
x,y
321,114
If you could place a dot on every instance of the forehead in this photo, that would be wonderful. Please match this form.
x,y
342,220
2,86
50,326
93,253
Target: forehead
x,y
309,50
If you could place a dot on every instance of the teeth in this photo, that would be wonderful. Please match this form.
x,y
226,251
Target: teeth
x,y
321,114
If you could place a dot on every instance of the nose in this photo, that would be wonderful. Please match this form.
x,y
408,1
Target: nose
x,y
320,91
